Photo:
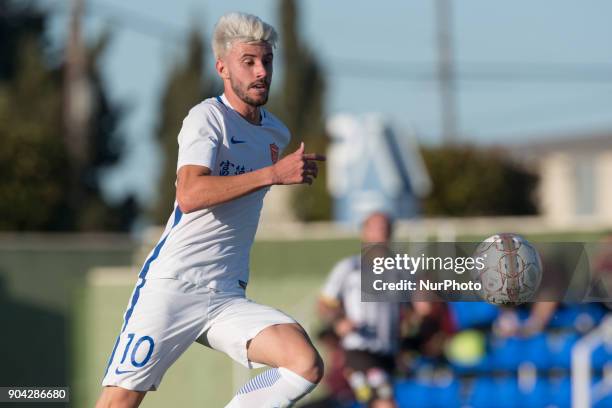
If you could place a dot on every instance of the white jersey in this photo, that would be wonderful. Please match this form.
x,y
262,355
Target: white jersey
x,y
377,322
211,247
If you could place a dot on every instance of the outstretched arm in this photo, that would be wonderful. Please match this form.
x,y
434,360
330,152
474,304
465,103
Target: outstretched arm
x,y
197,189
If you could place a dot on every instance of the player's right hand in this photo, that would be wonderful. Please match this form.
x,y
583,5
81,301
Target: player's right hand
x,y
297,167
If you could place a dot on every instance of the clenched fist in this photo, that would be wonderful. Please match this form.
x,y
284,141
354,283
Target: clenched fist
x,y
297,167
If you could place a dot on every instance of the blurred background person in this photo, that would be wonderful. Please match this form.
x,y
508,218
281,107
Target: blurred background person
x,y
369,331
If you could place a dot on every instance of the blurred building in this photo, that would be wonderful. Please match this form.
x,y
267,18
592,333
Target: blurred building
x,y
373,167
575,178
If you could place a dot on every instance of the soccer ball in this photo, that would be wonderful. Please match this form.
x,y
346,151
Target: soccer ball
x,y
512,269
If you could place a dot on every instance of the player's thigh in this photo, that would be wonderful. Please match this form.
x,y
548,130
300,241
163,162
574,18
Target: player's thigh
x,y
256,335
282,345
118,397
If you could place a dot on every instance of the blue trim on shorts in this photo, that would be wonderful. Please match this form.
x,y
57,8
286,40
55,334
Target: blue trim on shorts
x,y
178,214
110,360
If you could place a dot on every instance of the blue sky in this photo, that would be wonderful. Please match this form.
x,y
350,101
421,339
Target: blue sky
x,y
522,43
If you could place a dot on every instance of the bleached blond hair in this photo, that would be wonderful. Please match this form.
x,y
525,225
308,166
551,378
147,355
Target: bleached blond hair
x,y
241,27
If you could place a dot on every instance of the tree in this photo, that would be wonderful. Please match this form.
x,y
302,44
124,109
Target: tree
x,y
185,87
300,105
35,160
468,181
32,158
18,20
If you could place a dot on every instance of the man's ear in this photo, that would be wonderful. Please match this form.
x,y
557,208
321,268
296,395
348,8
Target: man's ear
x,y
221,69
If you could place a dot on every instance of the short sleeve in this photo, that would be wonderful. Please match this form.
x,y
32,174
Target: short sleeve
x,y
332,289
199,138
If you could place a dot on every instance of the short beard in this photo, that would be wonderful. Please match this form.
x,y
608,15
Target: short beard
x,y
246,98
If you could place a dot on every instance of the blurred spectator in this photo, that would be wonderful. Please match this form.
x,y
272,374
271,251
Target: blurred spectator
x,y
369,331
425,328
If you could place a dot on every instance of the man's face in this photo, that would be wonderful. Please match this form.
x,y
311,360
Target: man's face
x,y
248,67
376,229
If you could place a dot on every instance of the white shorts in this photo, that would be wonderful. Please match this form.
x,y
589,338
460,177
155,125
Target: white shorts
x,y
165,316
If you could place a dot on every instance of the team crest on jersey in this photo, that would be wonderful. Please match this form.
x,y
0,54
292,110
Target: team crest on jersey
x,y
274,152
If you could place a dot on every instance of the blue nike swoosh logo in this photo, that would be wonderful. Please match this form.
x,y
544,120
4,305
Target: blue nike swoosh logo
x,y
236,141
119,372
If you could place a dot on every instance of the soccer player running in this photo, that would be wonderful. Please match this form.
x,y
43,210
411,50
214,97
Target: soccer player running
x,y
192,286
369,331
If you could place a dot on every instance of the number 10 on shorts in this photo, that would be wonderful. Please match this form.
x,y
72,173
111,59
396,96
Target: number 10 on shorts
x,y
141,343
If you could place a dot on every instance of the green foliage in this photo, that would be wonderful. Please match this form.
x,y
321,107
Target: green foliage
x,y
468,181
300,105
313,203
185,87
18,20
38,186
32,159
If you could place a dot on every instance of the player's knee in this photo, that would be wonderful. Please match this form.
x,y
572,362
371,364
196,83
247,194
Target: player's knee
x,y
308,365
319,368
